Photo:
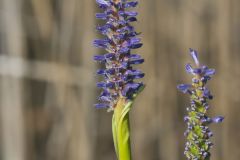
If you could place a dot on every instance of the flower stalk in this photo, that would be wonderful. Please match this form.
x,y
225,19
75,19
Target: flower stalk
x,y
198,134
121,130
119,85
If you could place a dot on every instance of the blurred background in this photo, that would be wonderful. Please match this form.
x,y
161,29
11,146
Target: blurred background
x,y
47,79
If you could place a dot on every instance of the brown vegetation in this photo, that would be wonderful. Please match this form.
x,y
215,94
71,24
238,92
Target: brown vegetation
x,y
47,79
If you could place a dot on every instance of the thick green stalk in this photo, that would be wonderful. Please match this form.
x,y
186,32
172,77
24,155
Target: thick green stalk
x,y
121,127
121,130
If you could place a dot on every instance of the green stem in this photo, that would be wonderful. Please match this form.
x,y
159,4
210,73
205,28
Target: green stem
x,y
121,127
121,130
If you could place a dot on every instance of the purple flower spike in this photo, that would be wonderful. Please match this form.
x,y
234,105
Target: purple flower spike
x,y
198,133
120,38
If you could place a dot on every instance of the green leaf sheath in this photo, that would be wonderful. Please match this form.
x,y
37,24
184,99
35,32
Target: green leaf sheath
x,y
114,132
121,130
121,127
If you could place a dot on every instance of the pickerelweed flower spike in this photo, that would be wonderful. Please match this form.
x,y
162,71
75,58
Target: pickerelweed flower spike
x,y
198,133
119,87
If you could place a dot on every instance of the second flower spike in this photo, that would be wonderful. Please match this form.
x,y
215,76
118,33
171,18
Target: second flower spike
x,y
198,133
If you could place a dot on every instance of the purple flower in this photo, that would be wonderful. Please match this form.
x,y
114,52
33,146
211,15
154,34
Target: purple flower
x,y
130,4
103,3
102,105
189,68
184,87
194,55
218,119
198,133
207,94
120,38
